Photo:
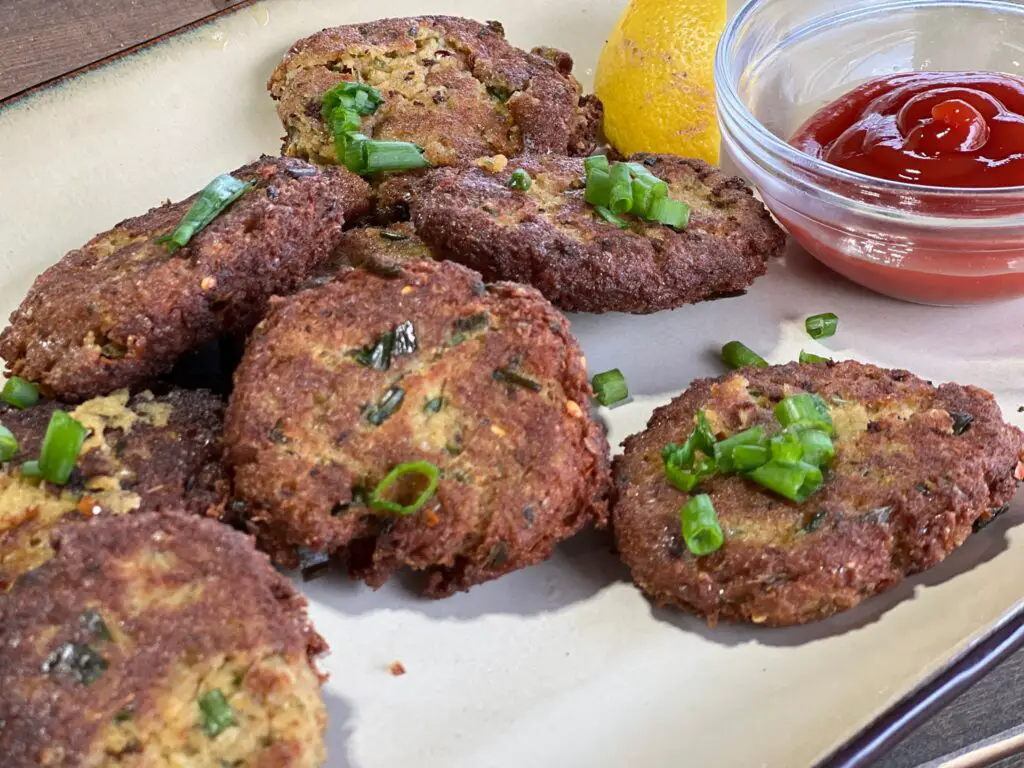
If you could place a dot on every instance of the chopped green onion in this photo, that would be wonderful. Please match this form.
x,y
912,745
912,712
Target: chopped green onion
x,y
217,715
377,355
520,180
817,447
686,479
672,213
359,97
598,192
647,189
735,354
679,455
595,163
8,444
748,457
610,217
387,405
724,448
821,326
796,482
380,156
423,468
808,357
20,393
434,405
211,202
31,469
703,437
610,387
805,407
620,198
701,529
786,448
61,445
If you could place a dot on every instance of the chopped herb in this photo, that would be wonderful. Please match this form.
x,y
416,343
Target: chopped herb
x,y
520,180
812,359
394,237
472,322
816,520
700,527
434,405
61,446
8,444
377,354
499,93
610,217
736,354
211,202
31,469
93,622
821,326
215,712
610,387
422,468
498,555
405,338
509,376
78,660
20,393
961,421
386,406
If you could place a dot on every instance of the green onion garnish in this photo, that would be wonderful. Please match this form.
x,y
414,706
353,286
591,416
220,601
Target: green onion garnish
x,y
391,156
808,357
686,479
8,444
647,189
703,437
701,530
20,393
211,202
620,197
61,445
598,191
679,455
786,448
805,407
821,326
817,447
595,163
671,213
610,387
795,482
520,180
735,354
748,457
422,468
724,448
217,715
31,469
610,217
387,405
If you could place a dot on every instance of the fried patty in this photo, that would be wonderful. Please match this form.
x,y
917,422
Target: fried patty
x,y
484,382
550,238
122,309
117,651
917,468
453,86
144,453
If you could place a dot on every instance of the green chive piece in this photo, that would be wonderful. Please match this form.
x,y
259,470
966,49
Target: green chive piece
x,y
805,407
610,217
598,192
749,457
386,406
817,447
31,469
796,482
620,199
679,455
822,326
610,387
8,444
786,448
672,213
736,354
217,715
647,190
61,446
377,355
391,156
701,529
434,405
520,180
686,479
723,449
809,357
703,437
20,393
595,163
423,468
211,202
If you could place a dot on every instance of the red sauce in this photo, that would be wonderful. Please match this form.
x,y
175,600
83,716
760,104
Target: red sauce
x,y
944,129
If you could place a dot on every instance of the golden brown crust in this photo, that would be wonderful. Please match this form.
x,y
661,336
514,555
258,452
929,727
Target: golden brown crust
x,y
121,309
552,239
179,599
522,467
903,493
453,86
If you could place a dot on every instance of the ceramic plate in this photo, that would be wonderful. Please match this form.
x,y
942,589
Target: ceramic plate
x,y
564,664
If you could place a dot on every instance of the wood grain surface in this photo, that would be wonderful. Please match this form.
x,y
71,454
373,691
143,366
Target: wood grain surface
x,y
44,39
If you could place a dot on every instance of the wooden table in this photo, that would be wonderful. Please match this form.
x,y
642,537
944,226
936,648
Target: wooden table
x,y
44,39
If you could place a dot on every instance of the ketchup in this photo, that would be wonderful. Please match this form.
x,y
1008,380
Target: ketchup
x,y
943,129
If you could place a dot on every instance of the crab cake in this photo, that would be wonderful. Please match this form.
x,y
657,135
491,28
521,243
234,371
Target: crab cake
x,y
550,238
453,86
158,640
122,309
346,385
917,468
146,452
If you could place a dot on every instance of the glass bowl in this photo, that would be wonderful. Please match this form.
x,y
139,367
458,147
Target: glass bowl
x,y
779,61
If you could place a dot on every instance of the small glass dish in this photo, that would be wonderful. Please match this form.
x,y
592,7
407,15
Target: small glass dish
x,y
779,61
